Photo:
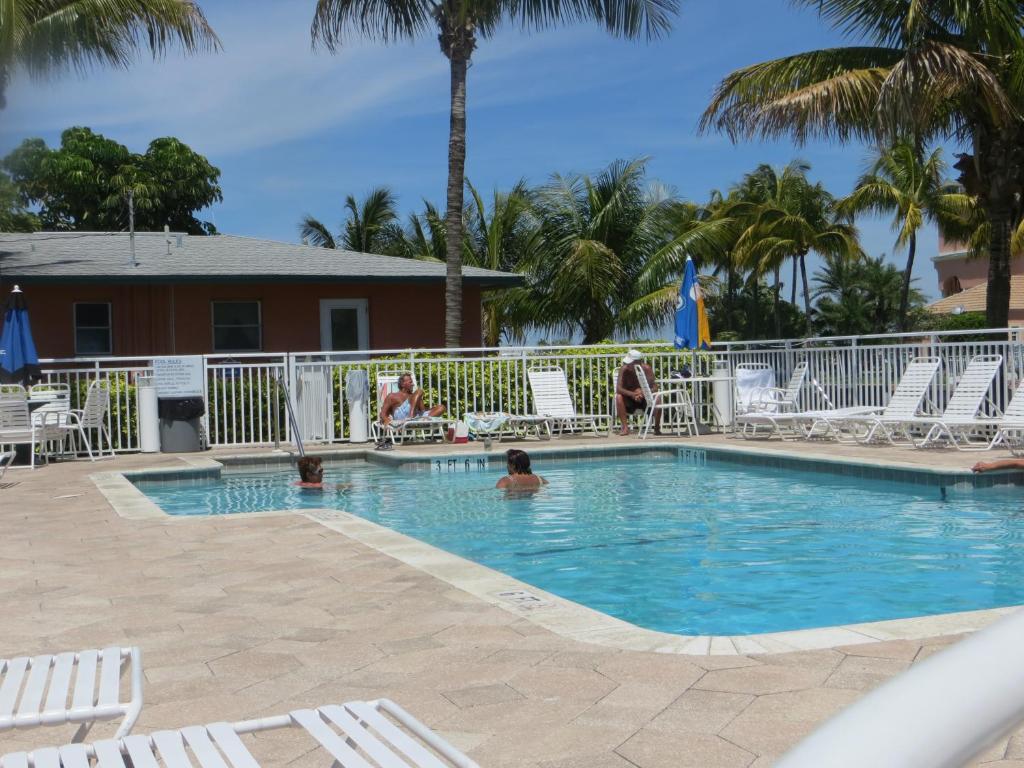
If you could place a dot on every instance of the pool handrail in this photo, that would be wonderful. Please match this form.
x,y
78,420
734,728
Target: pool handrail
x,y
940,713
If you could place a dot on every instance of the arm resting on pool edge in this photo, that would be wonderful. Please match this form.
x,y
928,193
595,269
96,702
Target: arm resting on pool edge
x,y
988,466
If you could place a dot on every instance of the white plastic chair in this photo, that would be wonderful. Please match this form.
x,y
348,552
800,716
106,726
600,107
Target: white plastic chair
x,y
898,415
92,418
25,679
358,734
17,426
960,416
52,415
551,399
677,400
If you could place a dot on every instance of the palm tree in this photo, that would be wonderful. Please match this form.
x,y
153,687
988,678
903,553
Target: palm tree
x,y
371,227
910,186
47,37
936,69
458,24
499,238
855,297
606,259
784,216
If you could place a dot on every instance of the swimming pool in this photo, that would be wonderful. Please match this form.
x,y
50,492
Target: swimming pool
x,y
711,548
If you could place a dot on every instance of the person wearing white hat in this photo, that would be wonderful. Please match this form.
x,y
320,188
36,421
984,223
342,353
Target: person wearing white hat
x,y
629,397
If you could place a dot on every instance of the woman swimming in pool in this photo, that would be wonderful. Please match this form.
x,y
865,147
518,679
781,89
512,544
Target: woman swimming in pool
x,y
311,475
520,477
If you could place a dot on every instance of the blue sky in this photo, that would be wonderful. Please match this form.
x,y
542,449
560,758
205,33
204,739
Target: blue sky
x,y
294,130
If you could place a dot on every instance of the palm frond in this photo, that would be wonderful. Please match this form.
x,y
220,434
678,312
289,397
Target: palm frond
x,y
831,92
48,36
383,20
315,233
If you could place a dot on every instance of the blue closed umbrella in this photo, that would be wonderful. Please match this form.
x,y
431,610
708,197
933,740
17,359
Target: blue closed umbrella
x,y
692,331
19,363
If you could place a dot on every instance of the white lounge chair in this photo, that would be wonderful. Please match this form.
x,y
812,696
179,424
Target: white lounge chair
x,y
675,399
25,679
551,400
425,427
960,417
898,415
502,425
1010,426
358,734
17,427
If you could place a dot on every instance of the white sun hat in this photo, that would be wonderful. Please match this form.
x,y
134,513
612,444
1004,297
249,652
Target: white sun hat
x,y
633,356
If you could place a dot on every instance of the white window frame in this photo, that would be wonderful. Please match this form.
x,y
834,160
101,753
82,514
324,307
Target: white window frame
x,y
109,326
362,307
213,324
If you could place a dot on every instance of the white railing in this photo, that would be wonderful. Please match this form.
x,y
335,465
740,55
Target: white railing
x,y
939,714
245,405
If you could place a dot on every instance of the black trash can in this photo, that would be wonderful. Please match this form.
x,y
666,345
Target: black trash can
x,y
179,424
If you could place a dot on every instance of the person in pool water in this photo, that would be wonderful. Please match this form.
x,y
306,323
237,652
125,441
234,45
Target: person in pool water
x,y
520,477
407,403
311,475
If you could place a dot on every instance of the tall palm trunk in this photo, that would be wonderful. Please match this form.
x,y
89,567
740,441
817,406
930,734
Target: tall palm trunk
x,y
458,57
755,315
997,294
905,288
807,287
792,286
778,303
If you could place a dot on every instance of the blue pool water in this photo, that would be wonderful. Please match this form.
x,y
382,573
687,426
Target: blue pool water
x,y
714,549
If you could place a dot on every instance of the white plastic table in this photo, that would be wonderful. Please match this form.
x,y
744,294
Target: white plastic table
x,y
675,382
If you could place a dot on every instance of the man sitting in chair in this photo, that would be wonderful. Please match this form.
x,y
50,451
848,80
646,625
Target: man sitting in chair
x,y
406,403
629,397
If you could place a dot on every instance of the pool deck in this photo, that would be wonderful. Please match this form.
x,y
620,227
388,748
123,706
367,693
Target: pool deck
x,y
254,615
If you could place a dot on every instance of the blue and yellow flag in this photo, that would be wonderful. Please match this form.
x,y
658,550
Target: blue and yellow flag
x,y
692,330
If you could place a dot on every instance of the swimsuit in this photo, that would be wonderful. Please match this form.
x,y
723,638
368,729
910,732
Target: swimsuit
x,y
404,411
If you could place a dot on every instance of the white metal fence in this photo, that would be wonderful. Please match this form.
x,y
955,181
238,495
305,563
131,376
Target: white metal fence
x,y
245,394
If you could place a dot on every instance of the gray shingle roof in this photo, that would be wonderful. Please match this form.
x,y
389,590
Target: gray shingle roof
x,y
102,256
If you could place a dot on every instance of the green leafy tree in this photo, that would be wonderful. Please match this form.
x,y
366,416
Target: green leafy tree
x,y
609,253
14,216
458,24
85,183
785,217
371,227
935,69
48,37
911,187
857,297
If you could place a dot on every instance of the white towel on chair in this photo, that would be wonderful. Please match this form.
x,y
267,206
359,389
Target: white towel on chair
x,y
750,383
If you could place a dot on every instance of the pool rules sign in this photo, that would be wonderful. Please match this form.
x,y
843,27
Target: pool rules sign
x,y
179,376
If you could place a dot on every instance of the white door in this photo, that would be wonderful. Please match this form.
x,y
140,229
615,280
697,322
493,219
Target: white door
x,y
344,325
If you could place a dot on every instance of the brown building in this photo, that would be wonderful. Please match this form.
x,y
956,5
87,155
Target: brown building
x,y
225,294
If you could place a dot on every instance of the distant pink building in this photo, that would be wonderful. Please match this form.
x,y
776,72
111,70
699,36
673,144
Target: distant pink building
x,y
963,282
